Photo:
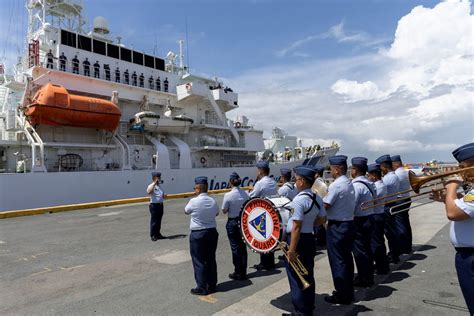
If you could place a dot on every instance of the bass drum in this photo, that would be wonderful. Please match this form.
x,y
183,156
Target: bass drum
x,y
261,223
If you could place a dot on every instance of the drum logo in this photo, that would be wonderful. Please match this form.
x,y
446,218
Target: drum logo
x,y
260,225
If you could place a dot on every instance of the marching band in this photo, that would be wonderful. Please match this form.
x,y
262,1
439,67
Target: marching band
x,y
356,225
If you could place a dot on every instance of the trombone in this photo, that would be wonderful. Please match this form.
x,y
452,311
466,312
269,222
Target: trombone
x,y
297,265
416,183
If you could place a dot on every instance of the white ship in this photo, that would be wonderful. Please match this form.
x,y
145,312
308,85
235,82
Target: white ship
x,y
85,118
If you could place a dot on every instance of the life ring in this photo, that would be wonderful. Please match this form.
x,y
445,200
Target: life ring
x,y
189,86
203,160
238,125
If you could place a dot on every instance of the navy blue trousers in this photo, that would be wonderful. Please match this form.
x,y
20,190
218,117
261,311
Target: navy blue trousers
x,y
465,269
303,300
391,232
237,246
268,260
377,244
156,211
361,249
402,223
203,245
320,235
340,238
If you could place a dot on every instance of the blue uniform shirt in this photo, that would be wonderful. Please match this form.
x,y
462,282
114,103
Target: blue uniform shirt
x,y
341,197
381,191
288,190
203,210
264,187
233,201
156,196
404,182
462,232
302,203
362,194
391,182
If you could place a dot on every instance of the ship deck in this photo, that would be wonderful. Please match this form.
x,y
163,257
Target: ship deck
x,y
101,261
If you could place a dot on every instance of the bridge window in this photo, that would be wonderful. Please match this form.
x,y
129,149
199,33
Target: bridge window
x,y
149,61
84,43
68,38
112,51
137,58
125,54
160,64
99,47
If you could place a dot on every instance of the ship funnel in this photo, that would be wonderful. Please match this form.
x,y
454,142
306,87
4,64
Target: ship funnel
x,y
101,26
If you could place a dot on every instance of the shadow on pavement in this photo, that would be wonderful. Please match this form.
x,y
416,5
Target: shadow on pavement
x,y
178,236
380,291
283,302
262,273
417,256
232,285
425,247
407,265
395,277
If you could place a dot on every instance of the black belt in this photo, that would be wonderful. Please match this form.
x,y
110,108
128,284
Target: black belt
x,y
332,221
201,230
156,202
233,218
465,249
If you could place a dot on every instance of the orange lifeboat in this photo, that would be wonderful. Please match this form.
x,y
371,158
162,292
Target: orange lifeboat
x,y
54,105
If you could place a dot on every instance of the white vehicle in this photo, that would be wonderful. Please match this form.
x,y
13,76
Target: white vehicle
x,y
85,118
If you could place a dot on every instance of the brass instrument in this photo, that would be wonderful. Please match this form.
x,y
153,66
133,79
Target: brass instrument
x,y
297,265
416,183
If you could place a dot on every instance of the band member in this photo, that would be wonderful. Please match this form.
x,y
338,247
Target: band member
x,y
232,205
321,188
460,211
340,204
402,219
203,238
363,221
287,188
308,210
377,239
264,187
392,183
156,206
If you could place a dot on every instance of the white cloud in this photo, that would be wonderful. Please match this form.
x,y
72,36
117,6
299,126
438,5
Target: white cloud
x,y
415,98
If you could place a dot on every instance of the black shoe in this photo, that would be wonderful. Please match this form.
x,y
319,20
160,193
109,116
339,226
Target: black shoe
x,y
393,260
259,266
153,238
358,282
198,291
238,277
334,299
211,289
382,272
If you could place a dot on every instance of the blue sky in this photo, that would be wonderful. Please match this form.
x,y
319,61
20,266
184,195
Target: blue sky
x,y
376,76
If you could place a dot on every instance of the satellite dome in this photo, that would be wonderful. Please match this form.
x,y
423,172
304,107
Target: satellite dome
x,y
101,25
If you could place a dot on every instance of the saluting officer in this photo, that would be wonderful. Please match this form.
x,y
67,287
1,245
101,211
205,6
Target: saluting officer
x,y
287,188
308,210
392,183
402,219
203,238
264,187
460,211
363,221
321,188
156,206
340,204
377,239
232,205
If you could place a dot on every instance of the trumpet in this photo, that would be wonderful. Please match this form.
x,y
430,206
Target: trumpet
x,y
297,265
416,183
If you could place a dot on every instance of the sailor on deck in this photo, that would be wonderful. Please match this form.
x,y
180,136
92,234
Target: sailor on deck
x,y
96,69
460,210
264,187
203,238
87,67
340,205
377,239
232,205
62,62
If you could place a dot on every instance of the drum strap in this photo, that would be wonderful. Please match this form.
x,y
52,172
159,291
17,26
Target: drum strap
x,y
368,187
290,185
313,198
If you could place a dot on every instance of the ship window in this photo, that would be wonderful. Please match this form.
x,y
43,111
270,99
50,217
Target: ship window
x,y
137,58
84,43
99,47
125,54
68,38
160,64
112,51
149,61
